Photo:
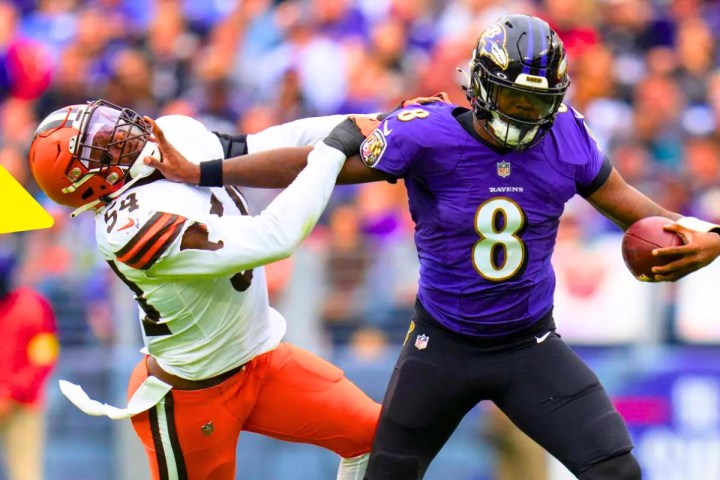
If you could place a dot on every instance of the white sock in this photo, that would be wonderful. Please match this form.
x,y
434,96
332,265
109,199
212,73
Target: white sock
x,y
353,468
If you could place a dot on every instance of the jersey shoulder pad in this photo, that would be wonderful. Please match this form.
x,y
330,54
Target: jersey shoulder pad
x,y
424,125
574,139
567,115
406,133
405,126
413,117
137,232
570,125
191,138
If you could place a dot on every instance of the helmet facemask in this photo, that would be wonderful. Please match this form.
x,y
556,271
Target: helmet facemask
x,y
110,141
533,115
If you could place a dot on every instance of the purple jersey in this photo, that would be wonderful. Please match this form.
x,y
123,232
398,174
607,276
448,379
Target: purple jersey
x,y
485,221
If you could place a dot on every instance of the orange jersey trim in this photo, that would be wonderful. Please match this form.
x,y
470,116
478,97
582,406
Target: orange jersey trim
x,y
151,241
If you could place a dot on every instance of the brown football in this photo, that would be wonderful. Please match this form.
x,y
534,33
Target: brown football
x,y
640,239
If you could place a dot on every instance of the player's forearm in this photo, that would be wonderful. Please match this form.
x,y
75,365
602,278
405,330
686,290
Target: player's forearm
x,y
267,169
635,209
355,171
278,168
624,205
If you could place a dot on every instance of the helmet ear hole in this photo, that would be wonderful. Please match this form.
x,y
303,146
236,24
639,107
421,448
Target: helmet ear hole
x,y
72,145
87,194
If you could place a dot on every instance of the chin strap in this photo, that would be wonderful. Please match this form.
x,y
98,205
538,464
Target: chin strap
x,y
86,207
105,200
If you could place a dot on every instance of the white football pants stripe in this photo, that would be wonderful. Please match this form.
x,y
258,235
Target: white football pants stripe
x,y
165,439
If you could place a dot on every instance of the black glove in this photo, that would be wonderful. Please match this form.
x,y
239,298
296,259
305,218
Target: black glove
x,y
346,137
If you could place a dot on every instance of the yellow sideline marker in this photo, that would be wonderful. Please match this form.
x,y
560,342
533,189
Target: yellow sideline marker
x,y
18,209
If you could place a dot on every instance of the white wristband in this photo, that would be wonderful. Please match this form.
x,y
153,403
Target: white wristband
x,y
698,225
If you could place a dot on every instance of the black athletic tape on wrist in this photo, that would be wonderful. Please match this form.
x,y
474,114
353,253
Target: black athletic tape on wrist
x,y
346,137
211,174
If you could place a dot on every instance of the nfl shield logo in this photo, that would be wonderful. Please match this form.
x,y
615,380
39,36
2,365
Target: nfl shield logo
x,y
207,429
421,342
503,169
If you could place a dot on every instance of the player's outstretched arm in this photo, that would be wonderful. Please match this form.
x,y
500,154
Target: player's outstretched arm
x,y
268,164
265,169
624,205
215,244
275,168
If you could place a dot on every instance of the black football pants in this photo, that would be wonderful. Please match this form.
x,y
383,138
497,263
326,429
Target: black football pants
x,y
538,381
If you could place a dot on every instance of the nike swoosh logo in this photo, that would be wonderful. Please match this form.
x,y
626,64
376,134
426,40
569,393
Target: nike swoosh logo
x,y
385,130
129,224
542,339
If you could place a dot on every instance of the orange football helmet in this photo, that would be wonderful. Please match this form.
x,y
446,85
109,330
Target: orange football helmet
x,y
81,154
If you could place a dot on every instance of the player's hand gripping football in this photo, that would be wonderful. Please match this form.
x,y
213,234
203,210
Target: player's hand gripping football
x,y
699,250
173,165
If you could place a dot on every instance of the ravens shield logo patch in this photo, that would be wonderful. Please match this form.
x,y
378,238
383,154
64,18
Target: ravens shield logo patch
x,y
373,148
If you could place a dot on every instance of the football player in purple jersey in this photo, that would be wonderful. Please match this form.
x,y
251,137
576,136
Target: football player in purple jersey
x,y
486,187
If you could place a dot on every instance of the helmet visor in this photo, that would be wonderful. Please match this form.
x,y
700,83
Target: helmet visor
x,y
525,106
111,136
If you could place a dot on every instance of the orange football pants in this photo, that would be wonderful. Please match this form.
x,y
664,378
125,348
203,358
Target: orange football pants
x,y
288,394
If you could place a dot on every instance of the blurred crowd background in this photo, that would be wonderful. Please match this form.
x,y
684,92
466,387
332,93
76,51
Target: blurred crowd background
x,y
645,73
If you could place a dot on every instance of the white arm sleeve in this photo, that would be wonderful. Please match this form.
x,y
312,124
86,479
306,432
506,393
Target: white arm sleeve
x,y
274,234
307,131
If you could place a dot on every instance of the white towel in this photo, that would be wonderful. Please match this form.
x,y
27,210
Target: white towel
x,y
145,397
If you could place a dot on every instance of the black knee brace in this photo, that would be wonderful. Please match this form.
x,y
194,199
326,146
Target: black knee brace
x,y
623,467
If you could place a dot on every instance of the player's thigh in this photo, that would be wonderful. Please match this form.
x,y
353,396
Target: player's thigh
x,y
307,399
190,434
427,397
558,401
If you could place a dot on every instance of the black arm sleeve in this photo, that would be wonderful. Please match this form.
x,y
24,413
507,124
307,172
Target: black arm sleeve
x,y
233,145
599,180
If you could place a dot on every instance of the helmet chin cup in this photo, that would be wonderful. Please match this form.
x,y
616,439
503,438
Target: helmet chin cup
x,y
139,169
510,135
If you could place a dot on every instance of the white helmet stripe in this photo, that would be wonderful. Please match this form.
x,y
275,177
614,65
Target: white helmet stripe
x,y
59,117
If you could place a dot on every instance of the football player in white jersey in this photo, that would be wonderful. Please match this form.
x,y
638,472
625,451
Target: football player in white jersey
x,y
215,362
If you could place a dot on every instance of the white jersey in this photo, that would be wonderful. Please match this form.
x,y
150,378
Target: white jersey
x,y
205,310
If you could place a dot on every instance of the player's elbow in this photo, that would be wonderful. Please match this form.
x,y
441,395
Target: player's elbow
x,y
281,242
277,251
287,245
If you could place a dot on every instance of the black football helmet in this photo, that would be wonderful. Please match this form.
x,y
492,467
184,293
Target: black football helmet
x,y
518,79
